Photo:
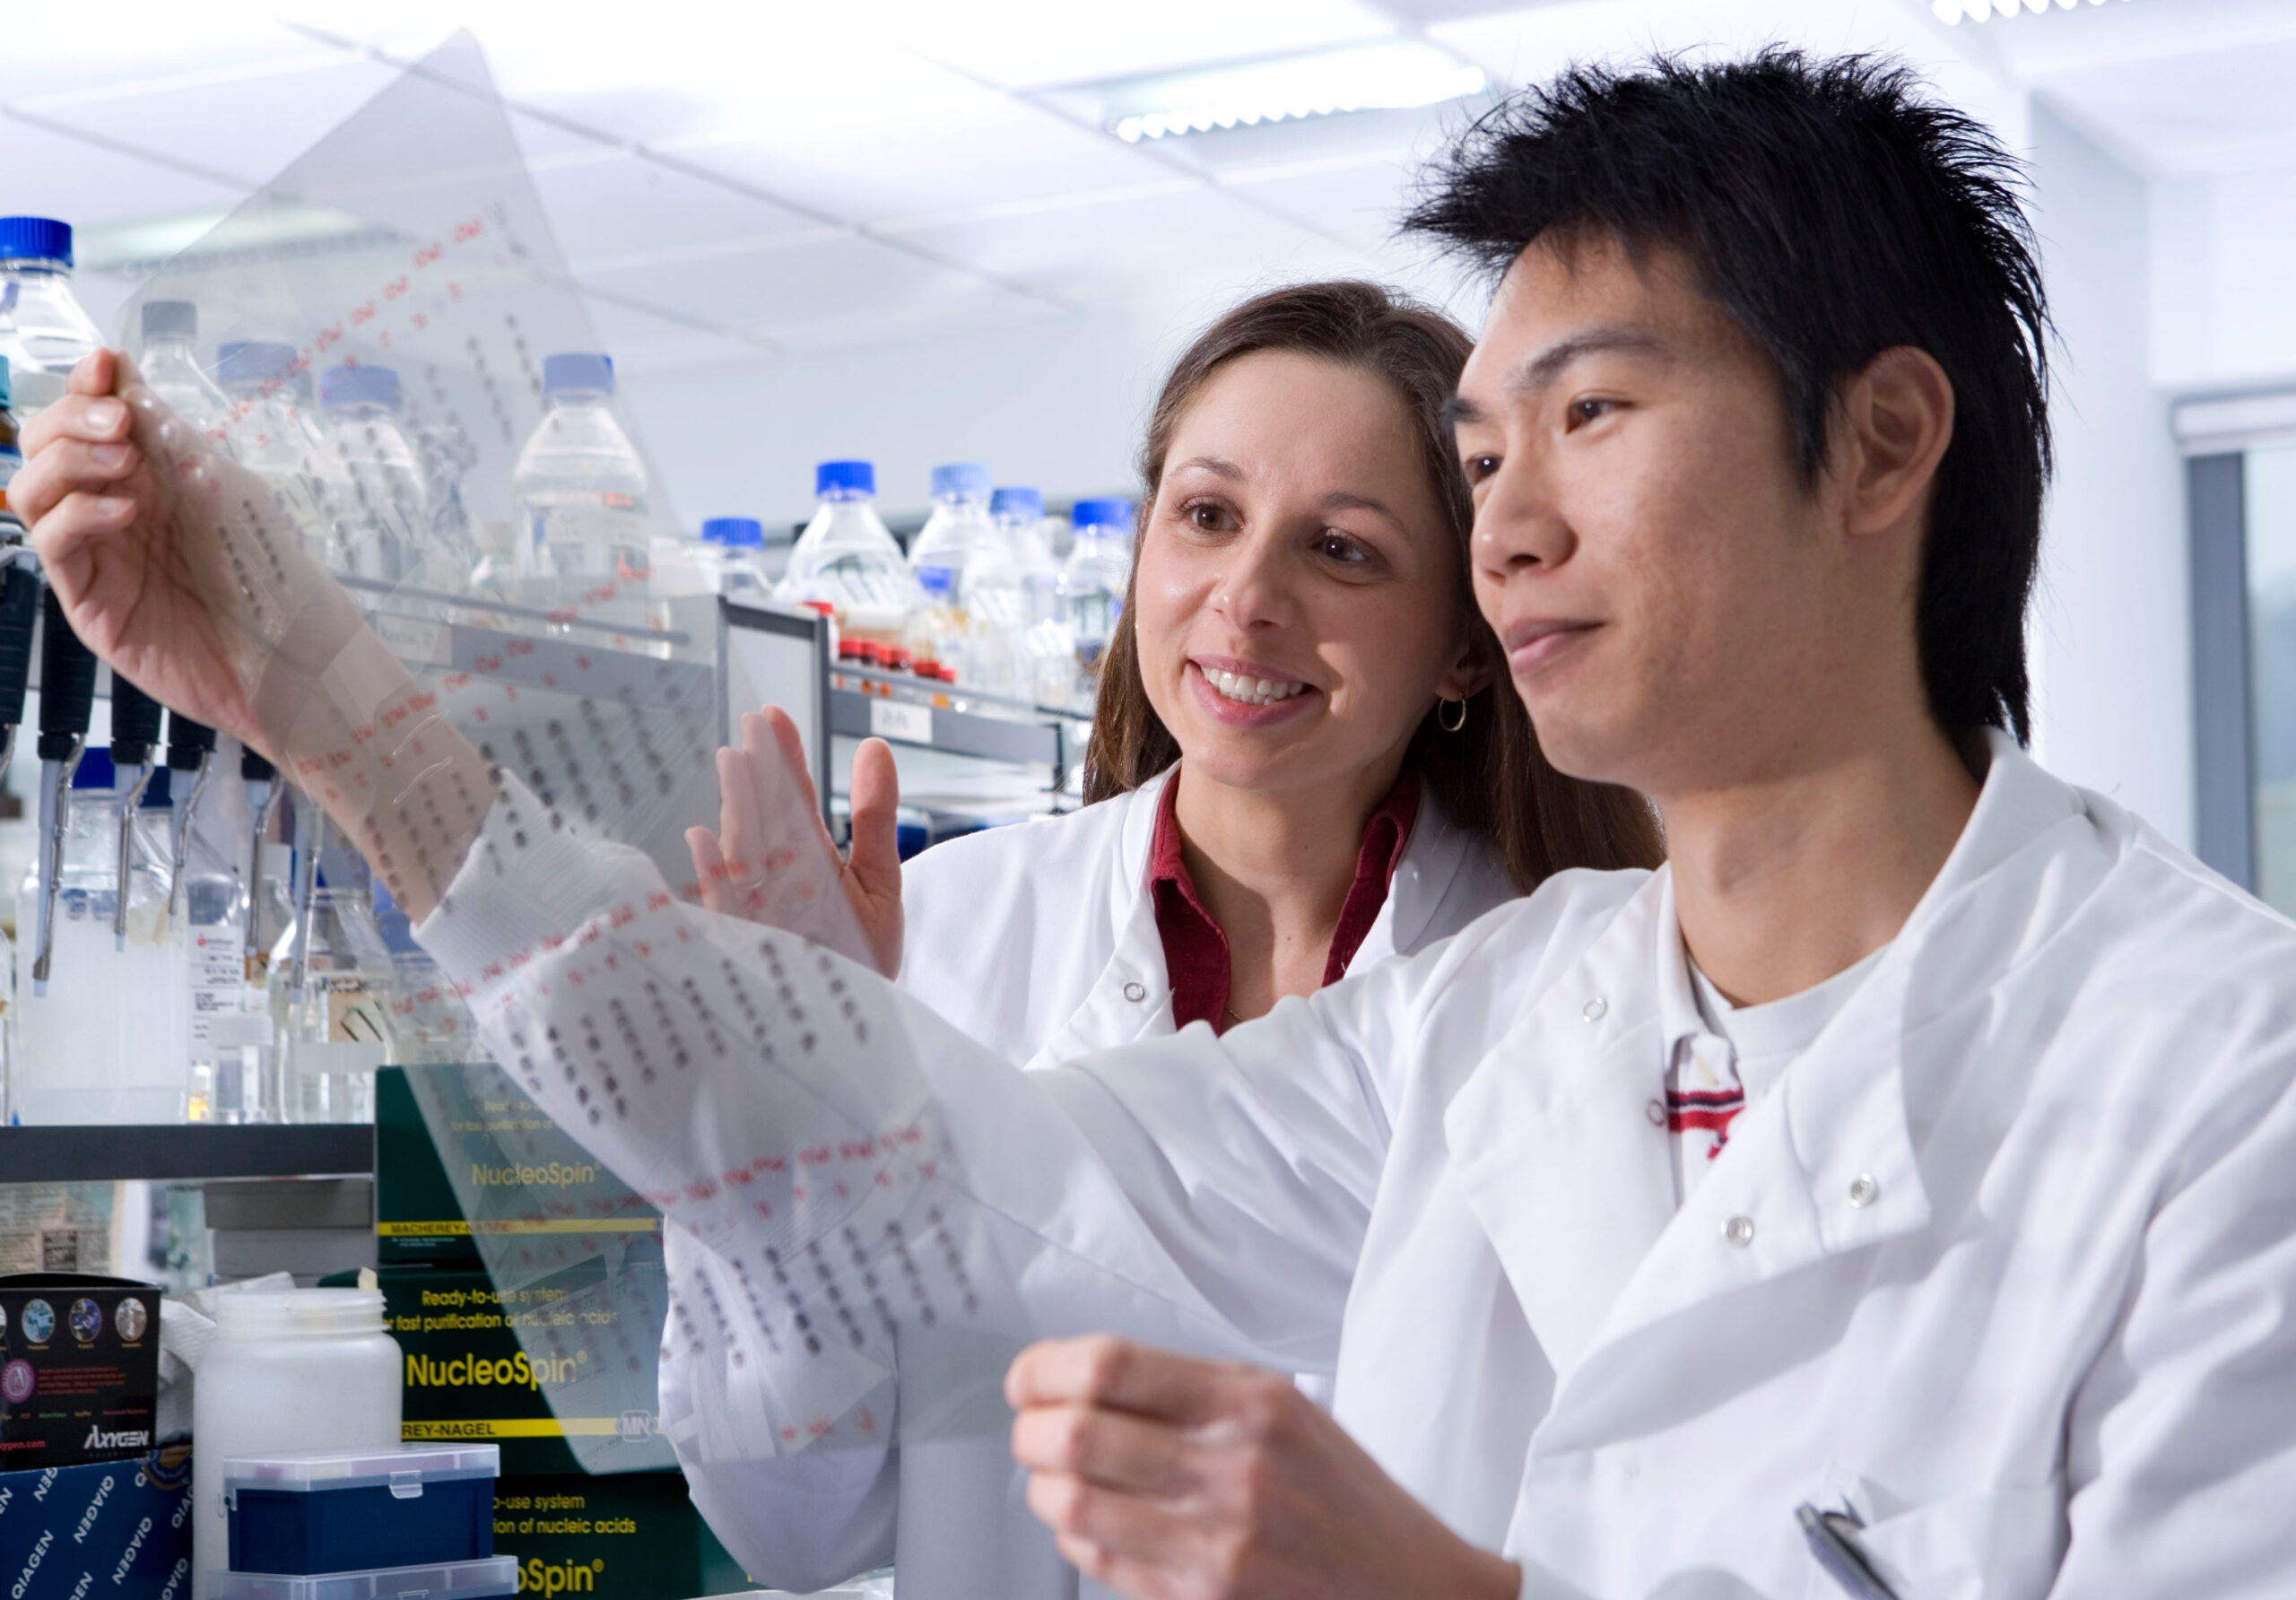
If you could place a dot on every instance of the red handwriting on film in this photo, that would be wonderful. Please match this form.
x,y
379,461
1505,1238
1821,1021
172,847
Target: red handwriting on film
x,y
367,312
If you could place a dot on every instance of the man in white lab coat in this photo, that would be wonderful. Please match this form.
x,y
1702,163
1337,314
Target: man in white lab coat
x,y
1892,1196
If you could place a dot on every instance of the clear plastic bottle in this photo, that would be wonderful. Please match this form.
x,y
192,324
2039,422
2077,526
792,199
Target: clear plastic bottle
x,y
731,548
960,565
845,557
274,435
12,457
170,366
209,904
335,1030
581,495
1092,582
43,330
1045,670
80,1054
388,535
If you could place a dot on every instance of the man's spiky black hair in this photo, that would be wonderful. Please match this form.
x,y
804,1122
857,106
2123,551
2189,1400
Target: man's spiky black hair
x,y
1834,211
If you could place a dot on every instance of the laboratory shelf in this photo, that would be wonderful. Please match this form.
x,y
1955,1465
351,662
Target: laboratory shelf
x,y
861,716
185,1152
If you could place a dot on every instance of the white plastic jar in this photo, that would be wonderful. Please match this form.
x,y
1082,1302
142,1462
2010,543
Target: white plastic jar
x,y
293,1370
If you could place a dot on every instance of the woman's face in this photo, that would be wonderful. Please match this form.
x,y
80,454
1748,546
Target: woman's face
x,y
1298,600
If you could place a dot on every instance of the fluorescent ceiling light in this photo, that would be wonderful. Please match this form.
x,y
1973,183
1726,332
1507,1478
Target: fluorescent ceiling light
x,y
1950,11
1397,73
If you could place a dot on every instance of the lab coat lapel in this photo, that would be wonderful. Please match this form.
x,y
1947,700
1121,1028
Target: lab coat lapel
x,y
1131,998
1553,1140
1432,858
1825,1164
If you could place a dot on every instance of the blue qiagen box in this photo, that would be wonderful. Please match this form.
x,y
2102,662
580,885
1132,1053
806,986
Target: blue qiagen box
x,y
353,1510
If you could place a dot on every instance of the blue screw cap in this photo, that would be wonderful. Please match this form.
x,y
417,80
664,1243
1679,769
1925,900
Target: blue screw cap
x,y
578,372
843,480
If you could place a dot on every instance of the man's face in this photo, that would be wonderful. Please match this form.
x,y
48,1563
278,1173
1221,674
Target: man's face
x,y
1644,547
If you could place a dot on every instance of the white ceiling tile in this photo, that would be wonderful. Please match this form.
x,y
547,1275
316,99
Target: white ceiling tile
x,y
775,290
988,153
1360,202
56,175
607,208
59,49
247,127
641,341
1117,254
1039,42
2210,111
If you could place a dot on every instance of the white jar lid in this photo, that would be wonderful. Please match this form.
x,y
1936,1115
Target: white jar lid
x,y
298,1314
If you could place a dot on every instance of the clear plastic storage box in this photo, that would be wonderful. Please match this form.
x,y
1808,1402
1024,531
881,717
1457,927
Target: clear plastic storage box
x,y
441,1581
352,1511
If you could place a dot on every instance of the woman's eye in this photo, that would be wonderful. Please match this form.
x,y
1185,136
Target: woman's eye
x,y
1339,547
1210,519
1479,467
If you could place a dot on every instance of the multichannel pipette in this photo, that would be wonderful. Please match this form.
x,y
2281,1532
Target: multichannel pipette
x,y
134,731
264,791
191,750
67,694
19,591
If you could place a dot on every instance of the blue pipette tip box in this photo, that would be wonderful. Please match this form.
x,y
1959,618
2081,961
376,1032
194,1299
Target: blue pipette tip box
x,y
343,1511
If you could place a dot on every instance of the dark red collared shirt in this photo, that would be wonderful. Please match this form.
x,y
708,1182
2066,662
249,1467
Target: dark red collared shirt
x,y
1196,947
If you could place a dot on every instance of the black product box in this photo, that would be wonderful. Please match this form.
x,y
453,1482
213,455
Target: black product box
x,y
629,1536
79,1369
500,1170
118,1529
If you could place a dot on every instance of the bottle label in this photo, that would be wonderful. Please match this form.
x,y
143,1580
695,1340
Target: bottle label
x,y
218,982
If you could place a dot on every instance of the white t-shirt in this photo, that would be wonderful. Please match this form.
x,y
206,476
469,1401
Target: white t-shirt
x,y
1723,1057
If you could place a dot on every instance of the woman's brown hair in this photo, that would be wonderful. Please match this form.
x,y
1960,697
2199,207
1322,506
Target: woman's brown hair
x,y
1490,774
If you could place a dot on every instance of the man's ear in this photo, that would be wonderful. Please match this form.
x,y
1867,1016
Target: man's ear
x,y
1898,417
1471,670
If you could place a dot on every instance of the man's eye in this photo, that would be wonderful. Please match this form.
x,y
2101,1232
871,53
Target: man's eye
x,y
1582,412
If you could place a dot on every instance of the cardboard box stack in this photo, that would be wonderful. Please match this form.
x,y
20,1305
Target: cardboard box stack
x,y
552,1355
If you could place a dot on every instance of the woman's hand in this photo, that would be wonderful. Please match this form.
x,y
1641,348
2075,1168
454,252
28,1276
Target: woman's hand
x,y
178,566
759,786
1173,1479
172,561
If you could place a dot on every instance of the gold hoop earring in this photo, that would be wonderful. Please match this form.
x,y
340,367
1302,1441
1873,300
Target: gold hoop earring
x,y
1450,725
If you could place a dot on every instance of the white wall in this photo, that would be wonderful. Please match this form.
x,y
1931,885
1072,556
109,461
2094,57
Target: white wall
x,y
2224,281
1057,403
2111,632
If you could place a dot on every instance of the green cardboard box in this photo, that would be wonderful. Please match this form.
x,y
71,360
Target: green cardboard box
x,y
500,1173
560,1373
631,1537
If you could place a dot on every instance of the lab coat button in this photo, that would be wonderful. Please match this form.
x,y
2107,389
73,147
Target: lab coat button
x,y
1656,1112
1864,1190
1135,992
1594,1008
1739,1231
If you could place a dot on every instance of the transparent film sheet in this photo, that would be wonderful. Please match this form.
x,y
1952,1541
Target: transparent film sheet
x,y
826,1274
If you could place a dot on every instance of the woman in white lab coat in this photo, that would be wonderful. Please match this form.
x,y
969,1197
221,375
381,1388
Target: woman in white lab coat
x,y
1298,764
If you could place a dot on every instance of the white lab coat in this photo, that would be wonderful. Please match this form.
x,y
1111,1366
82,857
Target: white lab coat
x,y
1040,942
2053,1353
